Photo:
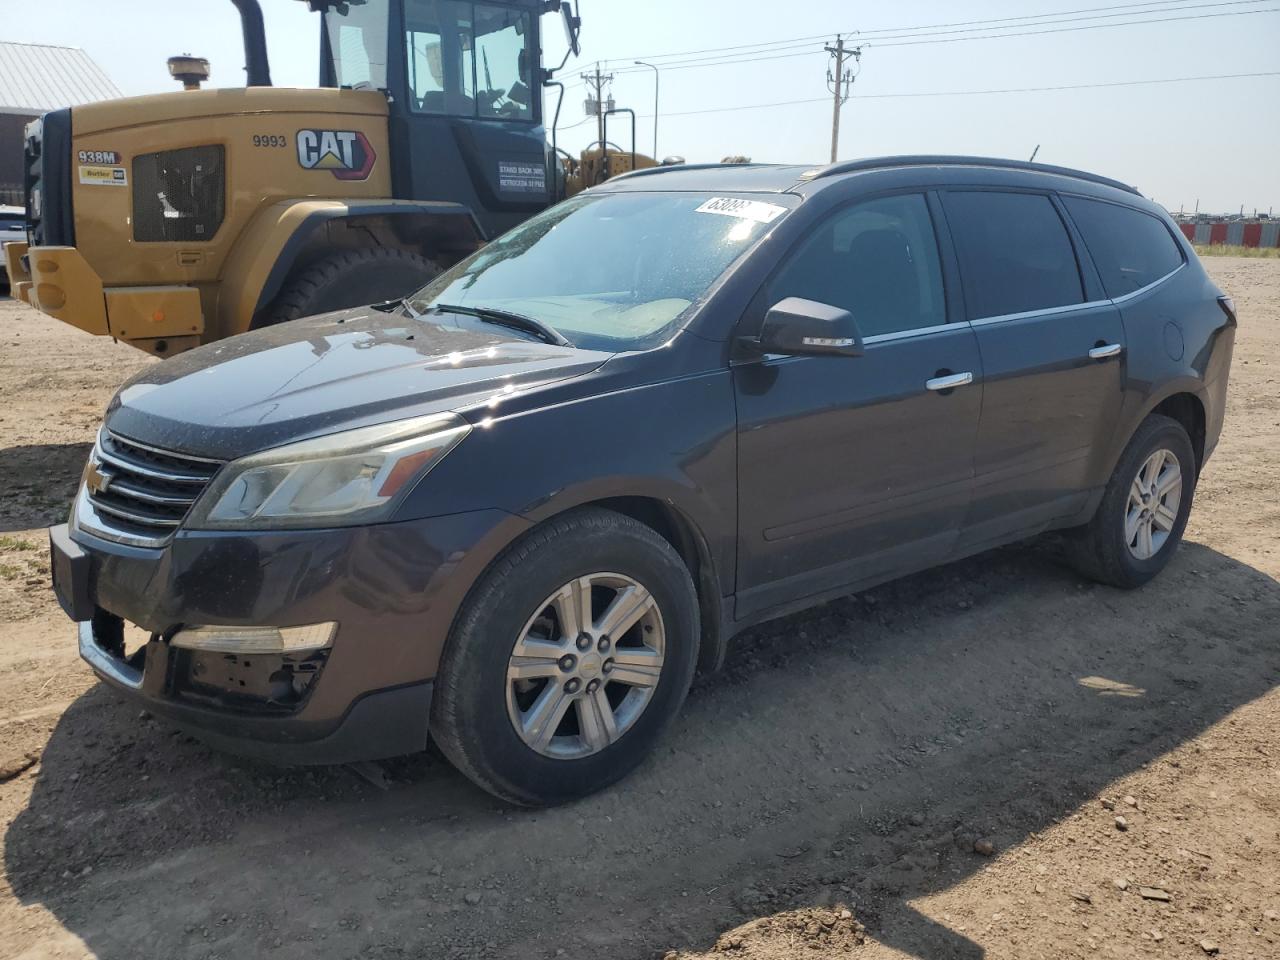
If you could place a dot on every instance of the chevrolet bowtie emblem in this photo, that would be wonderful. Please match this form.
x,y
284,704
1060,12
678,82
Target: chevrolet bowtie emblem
x,y
96,479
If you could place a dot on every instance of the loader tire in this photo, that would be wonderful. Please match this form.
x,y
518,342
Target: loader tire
x,y
350,278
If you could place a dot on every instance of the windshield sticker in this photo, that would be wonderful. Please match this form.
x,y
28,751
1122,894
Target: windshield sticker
x,y
756,210
103,176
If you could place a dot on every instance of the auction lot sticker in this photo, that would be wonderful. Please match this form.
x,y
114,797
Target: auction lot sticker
x,y
756,210
100,176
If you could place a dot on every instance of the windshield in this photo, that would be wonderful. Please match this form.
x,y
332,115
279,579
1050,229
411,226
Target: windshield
x,y
610,271
469,59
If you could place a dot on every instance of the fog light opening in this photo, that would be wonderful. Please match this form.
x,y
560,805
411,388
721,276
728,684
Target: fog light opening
x,y
246,640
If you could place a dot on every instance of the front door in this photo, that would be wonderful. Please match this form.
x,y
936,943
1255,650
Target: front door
x,y
468,128
851,469
1052,354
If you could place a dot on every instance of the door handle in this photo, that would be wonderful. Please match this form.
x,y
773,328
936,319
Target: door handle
x,y
1104,350
950,381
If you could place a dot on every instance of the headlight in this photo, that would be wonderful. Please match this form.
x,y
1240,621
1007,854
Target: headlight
x,y
339,480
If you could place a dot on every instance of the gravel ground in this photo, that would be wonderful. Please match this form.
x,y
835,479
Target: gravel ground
x,y
992,759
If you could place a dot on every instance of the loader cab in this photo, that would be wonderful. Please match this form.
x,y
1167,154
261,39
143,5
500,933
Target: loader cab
x,y
464,85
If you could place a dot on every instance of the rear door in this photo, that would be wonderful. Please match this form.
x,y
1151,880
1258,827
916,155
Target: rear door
x,y
854,468
1052,348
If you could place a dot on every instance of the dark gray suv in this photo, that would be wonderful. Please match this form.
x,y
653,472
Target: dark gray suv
x,y
517,510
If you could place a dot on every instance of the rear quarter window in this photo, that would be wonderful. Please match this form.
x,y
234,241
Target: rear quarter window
x,y
1131,249
1015,253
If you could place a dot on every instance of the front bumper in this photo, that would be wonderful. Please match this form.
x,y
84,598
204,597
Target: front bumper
x,y
58,281
381,723
393,589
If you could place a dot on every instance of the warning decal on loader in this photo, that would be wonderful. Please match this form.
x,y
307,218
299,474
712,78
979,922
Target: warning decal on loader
x,y
522,176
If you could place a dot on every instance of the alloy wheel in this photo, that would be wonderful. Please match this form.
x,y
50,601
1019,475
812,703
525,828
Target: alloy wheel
x,y
1152,509
585,666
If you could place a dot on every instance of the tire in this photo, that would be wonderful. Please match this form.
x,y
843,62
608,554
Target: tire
x,y
477,705
350,278
1103,550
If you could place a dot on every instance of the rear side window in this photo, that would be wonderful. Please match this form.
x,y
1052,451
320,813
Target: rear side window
x,y
878,260
1014,251
1130,248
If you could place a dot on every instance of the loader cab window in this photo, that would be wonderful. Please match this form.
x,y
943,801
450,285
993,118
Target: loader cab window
x,y
356,37
469,59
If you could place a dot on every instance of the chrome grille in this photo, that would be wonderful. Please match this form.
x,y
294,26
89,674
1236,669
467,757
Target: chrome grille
x,y
140,493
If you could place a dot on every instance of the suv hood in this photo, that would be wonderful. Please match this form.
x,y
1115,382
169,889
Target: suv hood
x,y
328,373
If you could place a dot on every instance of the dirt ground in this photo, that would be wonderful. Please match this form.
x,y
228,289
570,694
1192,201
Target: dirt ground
x,y
830,794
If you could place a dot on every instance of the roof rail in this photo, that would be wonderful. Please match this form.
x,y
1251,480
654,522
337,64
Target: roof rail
x,y
929,160
667,168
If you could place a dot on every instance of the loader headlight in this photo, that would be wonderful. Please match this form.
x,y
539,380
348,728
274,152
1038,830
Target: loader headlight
x,y
344,479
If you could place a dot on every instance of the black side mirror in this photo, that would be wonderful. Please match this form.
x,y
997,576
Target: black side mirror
x,y
801,328
572,27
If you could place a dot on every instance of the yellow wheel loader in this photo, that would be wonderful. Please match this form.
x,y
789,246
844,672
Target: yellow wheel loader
x,y
172,220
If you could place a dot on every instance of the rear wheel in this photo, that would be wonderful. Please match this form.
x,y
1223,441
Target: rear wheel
x,y
350,278
1144,508
569,660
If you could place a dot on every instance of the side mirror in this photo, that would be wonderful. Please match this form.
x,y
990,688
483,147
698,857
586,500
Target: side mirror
x,y
806,328
572,26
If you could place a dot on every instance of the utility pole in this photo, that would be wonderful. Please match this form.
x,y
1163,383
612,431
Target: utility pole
x,y
596,103
839,82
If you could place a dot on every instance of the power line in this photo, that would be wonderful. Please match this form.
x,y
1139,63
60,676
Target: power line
x,y
1110,8
906,40
928,26
910,40
1092,26
974,93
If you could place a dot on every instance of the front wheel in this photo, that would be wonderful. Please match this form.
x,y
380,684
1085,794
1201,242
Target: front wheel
x,y
350,278
1144,508
569,659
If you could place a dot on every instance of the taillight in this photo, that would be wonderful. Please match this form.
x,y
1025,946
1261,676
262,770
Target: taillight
x,y
1228,307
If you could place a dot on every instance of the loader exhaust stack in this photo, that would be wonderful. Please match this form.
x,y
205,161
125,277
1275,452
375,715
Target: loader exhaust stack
x,y
256,66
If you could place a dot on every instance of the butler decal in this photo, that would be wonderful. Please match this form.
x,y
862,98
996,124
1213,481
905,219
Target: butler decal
x,y
345,153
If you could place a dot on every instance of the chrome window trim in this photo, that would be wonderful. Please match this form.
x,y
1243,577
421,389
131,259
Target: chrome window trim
x,y
1133,294
906,334
1046,312
1073,307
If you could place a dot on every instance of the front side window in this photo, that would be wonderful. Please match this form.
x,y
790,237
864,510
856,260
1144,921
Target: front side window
x,y
357,36
469,59
610,271
878,260
1131,249
1015,253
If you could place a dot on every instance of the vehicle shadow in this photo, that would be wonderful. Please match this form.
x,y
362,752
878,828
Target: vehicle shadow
x,y
851,753
40,481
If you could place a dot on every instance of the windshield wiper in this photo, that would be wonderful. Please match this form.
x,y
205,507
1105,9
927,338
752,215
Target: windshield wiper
x,y
506,318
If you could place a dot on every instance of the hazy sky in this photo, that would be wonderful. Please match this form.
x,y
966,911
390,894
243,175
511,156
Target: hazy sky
x,y
1217,141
